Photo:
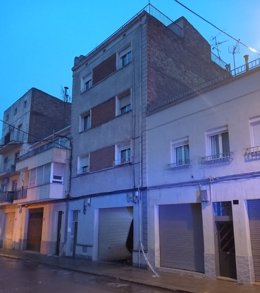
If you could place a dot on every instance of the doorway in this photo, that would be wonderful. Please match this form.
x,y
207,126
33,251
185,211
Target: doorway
x,y
225,239
35,229
58,233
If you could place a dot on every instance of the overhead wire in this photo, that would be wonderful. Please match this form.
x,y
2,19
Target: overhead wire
x,y
216,27
31,135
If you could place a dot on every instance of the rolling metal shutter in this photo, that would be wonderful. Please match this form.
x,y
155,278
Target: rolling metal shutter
x,y
114,226
181,237
254,225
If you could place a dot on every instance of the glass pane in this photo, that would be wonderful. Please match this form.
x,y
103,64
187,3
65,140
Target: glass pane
x,y
179,155
225,143
186,154
214,140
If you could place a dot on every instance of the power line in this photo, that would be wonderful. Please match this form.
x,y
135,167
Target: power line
x,y
219,29
31,135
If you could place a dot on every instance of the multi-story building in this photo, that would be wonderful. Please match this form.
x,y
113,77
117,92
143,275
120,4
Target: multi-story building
x,y
203,179
29,166
139,67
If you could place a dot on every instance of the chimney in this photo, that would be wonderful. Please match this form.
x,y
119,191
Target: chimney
x,y
246,62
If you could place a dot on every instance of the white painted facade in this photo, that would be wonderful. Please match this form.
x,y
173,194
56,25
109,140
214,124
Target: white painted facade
x,y
231,106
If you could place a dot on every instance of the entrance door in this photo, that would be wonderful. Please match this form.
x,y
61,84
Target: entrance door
x,y
34,237
58,233
9,228
226,247
225,239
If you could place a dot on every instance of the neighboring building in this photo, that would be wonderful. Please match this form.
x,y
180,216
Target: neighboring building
x,y
203,180
139,67
29,165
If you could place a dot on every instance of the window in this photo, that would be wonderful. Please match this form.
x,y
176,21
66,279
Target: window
x,y
122,153
255,132
218,149
123,103
180,153
83,164
85,121
253,152
86,83
57,173
40,175
219,145
125,57
25,103
15,111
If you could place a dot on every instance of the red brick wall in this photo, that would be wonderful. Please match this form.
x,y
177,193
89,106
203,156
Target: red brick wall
x,y
104,69
103,113
103,158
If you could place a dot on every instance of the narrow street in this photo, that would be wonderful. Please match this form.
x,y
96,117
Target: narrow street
x,y
26,276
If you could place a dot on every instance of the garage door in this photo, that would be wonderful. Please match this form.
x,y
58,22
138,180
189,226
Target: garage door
x,y
114,228
9,228
181,237
254,224
35,229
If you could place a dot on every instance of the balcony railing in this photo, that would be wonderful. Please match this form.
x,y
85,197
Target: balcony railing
x,y
10,196
217,159
180,164
252,153
41,149
9,169
6,196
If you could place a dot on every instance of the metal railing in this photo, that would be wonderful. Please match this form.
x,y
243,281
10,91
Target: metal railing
x,y
40,149
252,153
217,158
180,164
10,196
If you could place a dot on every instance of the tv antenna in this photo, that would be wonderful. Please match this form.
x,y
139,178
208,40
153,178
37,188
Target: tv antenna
x,y
66,97
215,46
234,50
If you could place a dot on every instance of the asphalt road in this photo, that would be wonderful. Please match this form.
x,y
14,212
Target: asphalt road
x,y
26,276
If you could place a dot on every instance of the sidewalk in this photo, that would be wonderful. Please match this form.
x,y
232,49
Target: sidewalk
x,y
171,281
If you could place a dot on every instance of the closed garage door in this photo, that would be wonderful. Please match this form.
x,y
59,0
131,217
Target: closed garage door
x,y
35,229
114,228
254,224
9,228
181,237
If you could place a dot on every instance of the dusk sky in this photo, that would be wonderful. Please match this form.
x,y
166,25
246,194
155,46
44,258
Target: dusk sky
x,y
40,38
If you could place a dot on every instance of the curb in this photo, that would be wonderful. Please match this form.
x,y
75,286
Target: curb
x,y
106,275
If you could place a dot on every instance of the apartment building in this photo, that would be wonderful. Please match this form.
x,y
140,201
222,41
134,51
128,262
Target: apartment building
x,y
203,179
138,68
32,168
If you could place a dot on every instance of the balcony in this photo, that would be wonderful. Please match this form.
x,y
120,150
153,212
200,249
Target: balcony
x,y
7,170
10,196
217,159
6,196
252,154
9,147
41,192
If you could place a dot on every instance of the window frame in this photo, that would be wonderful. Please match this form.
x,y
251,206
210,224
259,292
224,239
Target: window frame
x,y
82,125
125,57
121,148
119,99
83,168
86,80
180,144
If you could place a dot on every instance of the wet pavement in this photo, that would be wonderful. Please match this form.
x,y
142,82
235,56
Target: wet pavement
x,y
27,276
120,276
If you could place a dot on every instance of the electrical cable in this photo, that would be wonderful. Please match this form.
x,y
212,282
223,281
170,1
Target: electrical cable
x,y
219,29
33,136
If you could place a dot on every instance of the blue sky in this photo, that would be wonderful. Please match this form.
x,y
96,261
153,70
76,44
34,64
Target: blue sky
x,y
40,38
